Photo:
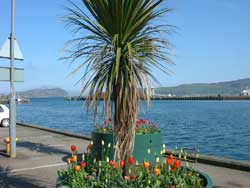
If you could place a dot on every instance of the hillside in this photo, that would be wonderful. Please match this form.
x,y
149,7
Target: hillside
x,y
230,88
36,93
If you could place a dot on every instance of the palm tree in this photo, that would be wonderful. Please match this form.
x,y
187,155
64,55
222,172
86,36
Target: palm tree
x,y
118,45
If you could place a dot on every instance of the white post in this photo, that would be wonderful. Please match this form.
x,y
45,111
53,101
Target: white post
x,y
12,128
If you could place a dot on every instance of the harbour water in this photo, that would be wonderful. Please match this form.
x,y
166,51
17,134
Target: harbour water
x,y
220,128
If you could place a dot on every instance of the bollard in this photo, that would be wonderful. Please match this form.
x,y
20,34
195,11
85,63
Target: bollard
x,y
7,144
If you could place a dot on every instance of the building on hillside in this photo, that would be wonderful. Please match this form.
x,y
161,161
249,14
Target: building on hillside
x,y
245,92
152,92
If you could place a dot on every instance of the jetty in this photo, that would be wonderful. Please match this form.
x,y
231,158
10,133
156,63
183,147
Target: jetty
x,y
159,97
41,152
5,100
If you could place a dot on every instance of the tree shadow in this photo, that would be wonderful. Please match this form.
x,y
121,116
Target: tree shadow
x,y
7,180
3,153
42,148
79,157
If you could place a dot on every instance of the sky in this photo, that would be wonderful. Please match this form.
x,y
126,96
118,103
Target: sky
x,y
211,43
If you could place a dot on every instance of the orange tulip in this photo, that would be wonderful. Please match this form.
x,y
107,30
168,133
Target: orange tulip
x,y
157,171
146,164
116,166
74,158
69,160
77,168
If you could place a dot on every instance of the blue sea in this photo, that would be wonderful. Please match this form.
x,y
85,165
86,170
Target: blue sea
x,y
220,128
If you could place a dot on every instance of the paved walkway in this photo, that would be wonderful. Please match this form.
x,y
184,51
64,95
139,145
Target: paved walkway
x,y
40,154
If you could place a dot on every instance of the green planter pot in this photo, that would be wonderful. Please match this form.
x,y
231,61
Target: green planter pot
x,y
208,181
143,144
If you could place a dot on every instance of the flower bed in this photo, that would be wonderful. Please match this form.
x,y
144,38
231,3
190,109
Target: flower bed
x,y
166,173
142,126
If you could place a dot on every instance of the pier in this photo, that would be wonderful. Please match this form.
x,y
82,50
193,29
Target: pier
x,y
180,98
5,100
41,152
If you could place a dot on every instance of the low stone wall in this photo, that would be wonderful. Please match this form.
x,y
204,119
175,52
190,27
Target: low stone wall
x,y
205,159
85,137
219,161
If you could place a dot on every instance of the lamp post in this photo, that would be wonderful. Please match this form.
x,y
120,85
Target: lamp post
x,y
12,127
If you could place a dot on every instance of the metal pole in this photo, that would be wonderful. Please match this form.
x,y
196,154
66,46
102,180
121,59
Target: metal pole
x,y
12,129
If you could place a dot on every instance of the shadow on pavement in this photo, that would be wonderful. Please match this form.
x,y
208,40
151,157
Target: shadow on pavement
x,y
18,181
42,148
3,153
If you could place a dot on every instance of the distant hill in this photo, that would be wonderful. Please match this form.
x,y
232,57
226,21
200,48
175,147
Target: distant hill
x,y
230,88
36,93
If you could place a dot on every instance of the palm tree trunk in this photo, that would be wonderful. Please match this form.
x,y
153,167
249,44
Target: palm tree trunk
x,y
124,120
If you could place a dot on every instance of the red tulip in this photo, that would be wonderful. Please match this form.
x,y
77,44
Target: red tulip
x,y
172,169
168,161
138,123
131,160
133,177
83,164
111,163
171,157
176,164
73,148
122,163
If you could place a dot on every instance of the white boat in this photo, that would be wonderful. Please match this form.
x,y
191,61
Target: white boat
x,y
18,99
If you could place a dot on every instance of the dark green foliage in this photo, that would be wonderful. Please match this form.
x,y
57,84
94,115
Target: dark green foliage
x,y
231,88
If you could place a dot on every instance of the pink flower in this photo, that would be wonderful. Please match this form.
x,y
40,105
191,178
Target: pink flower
x,y
106,122
126,177
154,125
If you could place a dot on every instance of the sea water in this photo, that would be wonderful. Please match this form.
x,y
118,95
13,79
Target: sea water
x,y
220,128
